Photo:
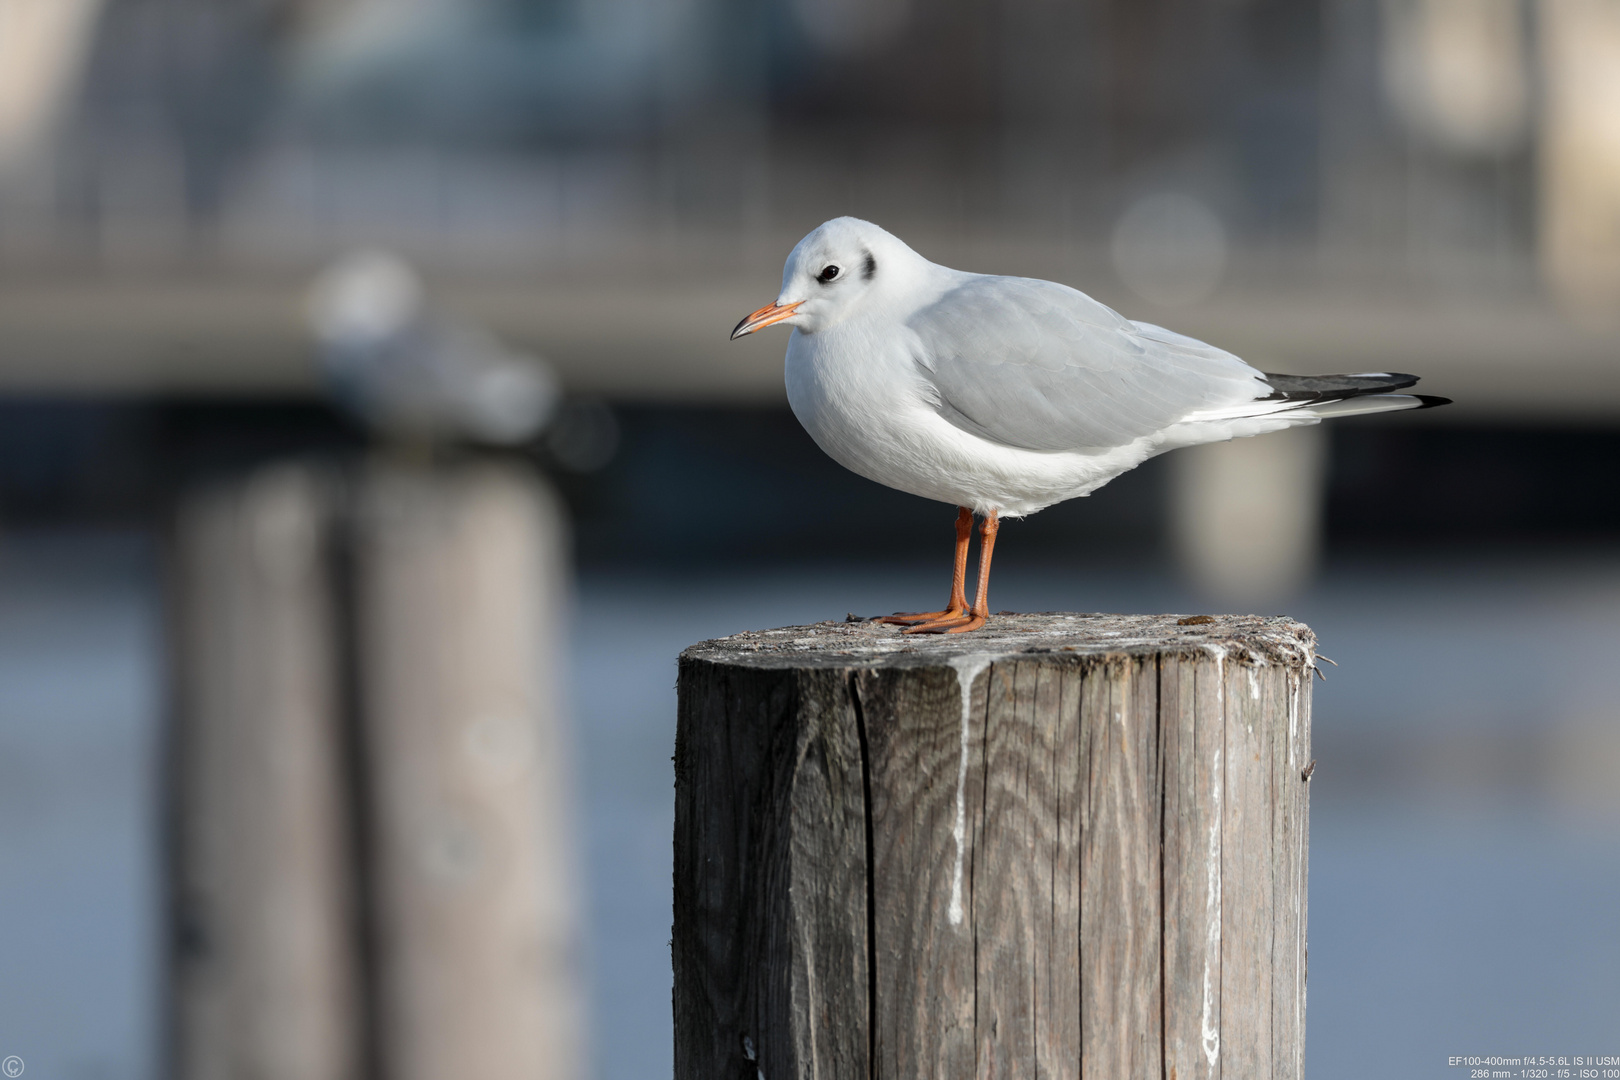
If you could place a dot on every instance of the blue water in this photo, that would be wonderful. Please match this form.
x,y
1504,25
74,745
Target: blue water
x,y
80,692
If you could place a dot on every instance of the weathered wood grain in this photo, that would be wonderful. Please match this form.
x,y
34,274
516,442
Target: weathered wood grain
x,y
1290,853
1069,846
924,743
1120,871
1192,732
1246,878
1059,780
771,857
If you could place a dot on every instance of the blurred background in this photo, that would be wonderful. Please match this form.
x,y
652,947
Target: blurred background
x,y
314,311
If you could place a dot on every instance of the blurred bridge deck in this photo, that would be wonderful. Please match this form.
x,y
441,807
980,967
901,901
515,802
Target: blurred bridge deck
x,y
654,330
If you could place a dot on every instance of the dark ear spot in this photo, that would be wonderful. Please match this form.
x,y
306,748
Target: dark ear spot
x,y
869,268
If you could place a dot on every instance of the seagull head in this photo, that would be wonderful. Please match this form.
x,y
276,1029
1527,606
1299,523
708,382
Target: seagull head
x,y
829,273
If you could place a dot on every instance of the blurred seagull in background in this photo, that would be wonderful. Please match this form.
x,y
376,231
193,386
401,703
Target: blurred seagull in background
x,y
1005,395
416,375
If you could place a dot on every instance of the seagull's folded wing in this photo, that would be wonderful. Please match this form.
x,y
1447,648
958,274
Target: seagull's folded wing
x,y
1039,365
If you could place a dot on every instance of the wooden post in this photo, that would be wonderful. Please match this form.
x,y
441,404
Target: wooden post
x,y
1068,845
460,592
1246,515
373,864
266,967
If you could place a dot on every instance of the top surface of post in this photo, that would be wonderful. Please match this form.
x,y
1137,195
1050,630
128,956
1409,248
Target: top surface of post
x,y
867,643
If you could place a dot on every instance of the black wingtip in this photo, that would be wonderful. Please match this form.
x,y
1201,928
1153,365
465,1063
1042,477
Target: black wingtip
x,y
1337,387
1431,402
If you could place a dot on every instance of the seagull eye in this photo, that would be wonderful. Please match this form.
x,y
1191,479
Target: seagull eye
x,y
827,274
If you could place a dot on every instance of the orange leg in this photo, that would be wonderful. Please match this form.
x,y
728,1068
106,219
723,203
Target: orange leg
x,y
975,617
957,606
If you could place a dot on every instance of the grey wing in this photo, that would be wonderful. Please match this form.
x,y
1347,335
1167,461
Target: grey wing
x,y
1039,365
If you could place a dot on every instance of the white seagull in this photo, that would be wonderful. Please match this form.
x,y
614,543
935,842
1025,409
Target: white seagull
x,y
1004,395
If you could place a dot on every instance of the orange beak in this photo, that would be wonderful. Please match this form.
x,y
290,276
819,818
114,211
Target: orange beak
x,y
770,313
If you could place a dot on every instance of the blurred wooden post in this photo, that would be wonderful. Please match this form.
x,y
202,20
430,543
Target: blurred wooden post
x,y
1578,156
1246,515
459,589
373,859
1067,845
265,967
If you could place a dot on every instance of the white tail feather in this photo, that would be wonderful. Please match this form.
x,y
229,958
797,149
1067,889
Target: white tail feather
x,y
1356,406
1369,403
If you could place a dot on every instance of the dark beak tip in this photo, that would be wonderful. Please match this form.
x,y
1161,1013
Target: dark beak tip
x,y
738,331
